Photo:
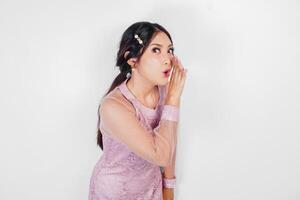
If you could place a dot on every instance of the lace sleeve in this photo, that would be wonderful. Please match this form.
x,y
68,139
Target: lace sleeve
x,y
120,122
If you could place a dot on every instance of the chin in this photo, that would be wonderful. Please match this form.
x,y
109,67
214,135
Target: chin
x,y
163,81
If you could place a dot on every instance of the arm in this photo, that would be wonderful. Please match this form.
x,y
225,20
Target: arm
x,y
168,194
120,122
169,173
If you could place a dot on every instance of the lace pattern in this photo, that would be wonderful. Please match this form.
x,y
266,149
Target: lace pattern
x,y
124,172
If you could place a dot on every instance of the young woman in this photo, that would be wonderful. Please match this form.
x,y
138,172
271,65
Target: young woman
x,y
139,118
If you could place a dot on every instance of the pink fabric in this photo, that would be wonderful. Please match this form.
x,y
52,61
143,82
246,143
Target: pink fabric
x,y
137,141
169,183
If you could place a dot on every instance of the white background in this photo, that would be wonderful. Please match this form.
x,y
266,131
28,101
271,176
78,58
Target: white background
x,y
239,124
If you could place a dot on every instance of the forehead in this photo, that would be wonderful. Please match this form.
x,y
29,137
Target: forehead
x,y
161,38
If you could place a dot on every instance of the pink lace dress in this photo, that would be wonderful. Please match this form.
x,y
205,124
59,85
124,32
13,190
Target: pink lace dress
x,y
137,142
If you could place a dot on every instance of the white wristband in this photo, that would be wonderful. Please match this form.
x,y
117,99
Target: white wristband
x,y
169,183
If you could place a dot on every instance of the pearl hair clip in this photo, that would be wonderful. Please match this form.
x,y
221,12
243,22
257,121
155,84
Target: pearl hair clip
x,y
138,39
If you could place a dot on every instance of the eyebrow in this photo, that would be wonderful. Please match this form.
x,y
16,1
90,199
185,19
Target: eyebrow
x,y
161,45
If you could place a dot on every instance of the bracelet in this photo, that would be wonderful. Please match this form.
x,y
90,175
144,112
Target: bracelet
x,y
169,183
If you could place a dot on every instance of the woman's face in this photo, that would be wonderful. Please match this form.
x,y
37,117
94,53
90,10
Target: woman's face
x,y
156,59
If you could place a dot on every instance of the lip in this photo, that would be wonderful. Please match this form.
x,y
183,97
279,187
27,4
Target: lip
x,y
167,72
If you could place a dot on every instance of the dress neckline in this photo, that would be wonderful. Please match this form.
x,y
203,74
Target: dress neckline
x,y
130,95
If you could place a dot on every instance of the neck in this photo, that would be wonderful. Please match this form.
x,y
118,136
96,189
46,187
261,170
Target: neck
x,y
142,89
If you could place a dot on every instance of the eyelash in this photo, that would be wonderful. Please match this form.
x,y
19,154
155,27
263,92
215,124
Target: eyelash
x,y
159,49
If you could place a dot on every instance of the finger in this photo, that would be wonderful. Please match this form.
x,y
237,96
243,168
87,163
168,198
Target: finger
x,y
172,71
176,71
179,64
180,75
175,65
177,75
174,61
172,64
184,78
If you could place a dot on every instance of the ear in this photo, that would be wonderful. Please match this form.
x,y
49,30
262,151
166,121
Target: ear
x,y
132,62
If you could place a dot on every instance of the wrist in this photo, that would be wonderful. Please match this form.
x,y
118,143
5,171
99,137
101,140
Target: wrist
x,y
167,175
170,112
169,183
172,101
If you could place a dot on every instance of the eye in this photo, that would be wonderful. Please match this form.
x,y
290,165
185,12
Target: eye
x,y
155,50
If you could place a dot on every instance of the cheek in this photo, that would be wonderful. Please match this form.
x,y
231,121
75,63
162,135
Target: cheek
x,y
150,65
153,64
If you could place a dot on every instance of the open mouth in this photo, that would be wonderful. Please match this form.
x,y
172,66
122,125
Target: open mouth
x,y
167,72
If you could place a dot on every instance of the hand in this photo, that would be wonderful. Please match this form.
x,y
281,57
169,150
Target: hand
x,y
177,80
168,193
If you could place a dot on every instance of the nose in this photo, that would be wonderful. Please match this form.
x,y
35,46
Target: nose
x,y
167,60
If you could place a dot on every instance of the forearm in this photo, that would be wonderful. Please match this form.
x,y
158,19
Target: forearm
x,y
169,172
168,194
